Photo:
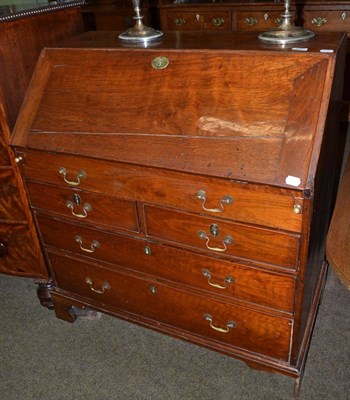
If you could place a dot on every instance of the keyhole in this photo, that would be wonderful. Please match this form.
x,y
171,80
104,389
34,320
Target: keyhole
x,y
76,199
214,230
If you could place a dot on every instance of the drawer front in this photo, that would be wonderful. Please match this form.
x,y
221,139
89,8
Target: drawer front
x,y
214,20
17,252
218,277
223,238
11,207
232,325
327,20
219,197
83,206
258,21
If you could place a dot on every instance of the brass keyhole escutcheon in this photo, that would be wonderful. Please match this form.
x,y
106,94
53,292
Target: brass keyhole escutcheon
x,y
160,62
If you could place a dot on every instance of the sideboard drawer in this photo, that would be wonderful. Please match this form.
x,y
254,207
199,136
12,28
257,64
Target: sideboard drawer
x,y
213,20
327,20
258,20
221,198
222,237
215,320
217,277
84,207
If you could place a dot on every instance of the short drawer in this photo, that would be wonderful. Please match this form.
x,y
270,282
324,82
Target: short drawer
x,y
217,277
218,321
256,204
222,237
81,206
11,207
259,20
213,20
327,20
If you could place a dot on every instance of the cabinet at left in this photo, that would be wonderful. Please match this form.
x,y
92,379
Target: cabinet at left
x,y
24,32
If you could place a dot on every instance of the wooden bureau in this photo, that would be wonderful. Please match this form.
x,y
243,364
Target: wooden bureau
x,y
188,187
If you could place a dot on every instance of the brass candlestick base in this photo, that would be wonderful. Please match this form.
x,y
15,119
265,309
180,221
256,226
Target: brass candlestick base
x,y
286,32
139,33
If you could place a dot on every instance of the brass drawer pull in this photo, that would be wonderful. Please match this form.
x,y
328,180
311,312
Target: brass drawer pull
x,y
226,200
318,21
81,174
218,21
250,21
94,245
278,21
104,287
86,208
343,16
227,240
228,280
230,324
180,21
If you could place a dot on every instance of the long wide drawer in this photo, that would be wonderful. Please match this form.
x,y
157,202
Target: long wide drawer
x,y
256,204
222,237
84,206
218,277
218,321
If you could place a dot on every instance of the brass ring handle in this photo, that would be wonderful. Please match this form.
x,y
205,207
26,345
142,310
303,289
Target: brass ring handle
x,y
81,174
230,324
250,21
226,200
228,280
318,21
94,245
86,208
227,240
104,287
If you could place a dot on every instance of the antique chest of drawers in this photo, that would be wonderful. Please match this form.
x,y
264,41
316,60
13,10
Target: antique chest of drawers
x,y
187,187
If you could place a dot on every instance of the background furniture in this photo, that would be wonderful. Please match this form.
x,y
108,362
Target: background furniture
x,y
153,206
25,30
117,15
257,16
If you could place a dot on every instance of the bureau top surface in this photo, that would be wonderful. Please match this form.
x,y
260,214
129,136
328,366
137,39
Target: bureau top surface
x,y
225,105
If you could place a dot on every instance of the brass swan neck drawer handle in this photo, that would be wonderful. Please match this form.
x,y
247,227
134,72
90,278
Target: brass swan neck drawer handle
x,y
94,245
80,175
318,21
86,208
104,287
228,280
226,200
227,240
230,324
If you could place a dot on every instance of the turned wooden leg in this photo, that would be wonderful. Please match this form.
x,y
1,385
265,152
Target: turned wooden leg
x,y
44,293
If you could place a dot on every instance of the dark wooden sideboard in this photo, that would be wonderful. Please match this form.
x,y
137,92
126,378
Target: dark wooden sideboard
x,y
199,210
258,16
24,31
